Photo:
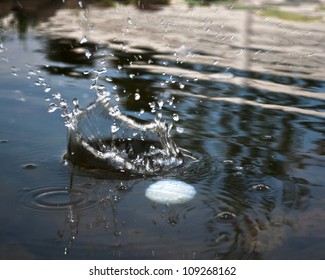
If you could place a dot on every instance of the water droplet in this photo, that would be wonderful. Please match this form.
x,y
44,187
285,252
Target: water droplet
x,y
14,70
108,79
175,117
114,128
137,96
75,102
47,88
119,67
88,54
267,137
181,86
259,188
226,216
83,40
63,103
52,107
160,103
56,96
2,48
130,20
131,76
179,129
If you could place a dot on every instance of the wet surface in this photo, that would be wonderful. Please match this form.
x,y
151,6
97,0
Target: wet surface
x,y
245,95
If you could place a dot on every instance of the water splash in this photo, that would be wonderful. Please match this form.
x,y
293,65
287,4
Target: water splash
x,y
101,137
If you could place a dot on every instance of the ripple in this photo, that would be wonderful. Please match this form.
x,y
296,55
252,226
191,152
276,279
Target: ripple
x,y
59,198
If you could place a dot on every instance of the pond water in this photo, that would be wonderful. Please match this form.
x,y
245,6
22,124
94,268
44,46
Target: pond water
x,y
245,95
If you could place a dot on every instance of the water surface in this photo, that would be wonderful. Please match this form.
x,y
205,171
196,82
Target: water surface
x,y
245,95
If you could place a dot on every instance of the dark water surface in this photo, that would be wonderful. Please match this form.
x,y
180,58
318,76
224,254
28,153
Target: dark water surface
x,y
246,96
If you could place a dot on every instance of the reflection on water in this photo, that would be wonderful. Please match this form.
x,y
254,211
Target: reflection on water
x,y
245,96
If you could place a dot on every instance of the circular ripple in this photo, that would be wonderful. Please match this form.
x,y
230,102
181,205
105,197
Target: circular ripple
x,y
59,198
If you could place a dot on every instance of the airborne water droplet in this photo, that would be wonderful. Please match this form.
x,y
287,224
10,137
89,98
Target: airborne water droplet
x,y
88,54
114,128
56,95
83,40
52,107
175,117
108,79
130,20
47,88
160,103
137,96
180,129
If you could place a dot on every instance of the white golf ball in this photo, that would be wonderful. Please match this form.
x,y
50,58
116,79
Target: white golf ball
x,y
170,192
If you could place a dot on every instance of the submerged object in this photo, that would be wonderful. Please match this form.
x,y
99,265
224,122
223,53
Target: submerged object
x,y
101,137
170,192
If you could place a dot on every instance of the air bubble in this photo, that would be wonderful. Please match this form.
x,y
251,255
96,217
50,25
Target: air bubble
x,y
226,216
259,188
29,166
